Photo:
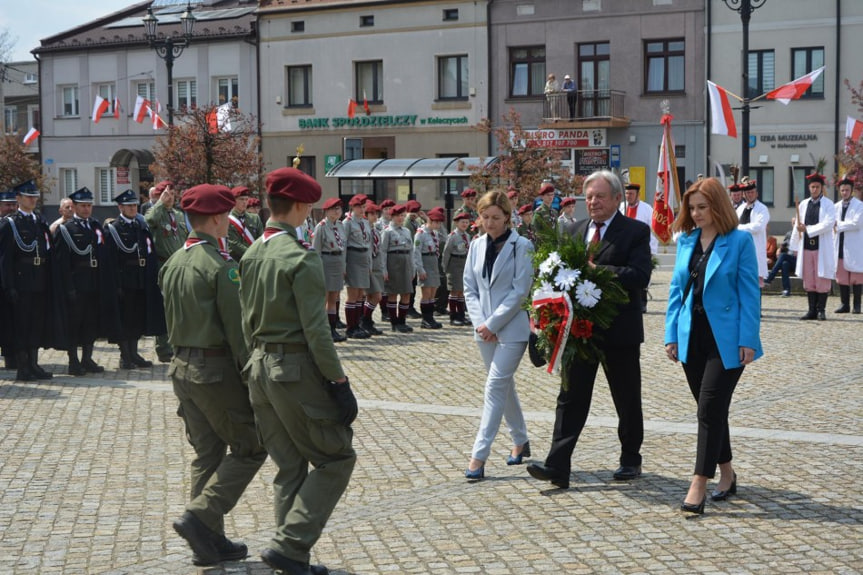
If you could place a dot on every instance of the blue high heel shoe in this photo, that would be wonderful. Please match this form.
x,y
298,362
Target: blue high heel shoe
x,y
518,459
475,475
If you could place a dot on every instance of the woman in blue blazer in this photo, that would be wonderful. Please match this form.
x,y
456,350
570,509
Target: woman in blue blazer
x,y
497,279
712,324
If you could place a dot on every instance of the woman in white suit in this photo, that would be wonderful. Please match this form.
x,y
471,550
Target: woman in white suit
x,y
497,278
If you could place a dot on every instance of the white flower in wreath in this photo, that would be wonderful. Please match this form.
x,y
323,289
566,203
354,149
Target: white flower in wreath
x,y
566,278
545,287
587,294
552,261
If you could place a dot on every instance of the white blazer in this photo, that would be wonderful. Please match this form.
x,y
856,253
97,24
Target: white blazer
x,y
498,301
852,225
644,213
824,231
757,226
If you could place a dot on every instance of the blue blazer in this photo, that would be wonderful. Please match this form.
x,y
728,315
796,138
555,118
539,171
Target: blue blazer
x,y
498,301
731,298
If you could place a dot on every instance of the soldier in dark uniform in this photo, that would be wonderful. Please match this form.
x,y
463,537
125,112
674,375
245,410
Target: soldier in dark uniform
x,y
8,205
25,246
80,262
302,399
202,307
131,255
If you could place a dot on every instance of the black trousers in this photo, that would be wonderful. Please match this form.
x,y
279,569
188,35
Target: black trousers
x,y
712,386
623,373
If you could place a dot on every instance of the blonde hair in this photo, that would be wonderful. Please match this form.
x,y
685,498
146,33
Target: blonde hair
x,y
724,216
495,198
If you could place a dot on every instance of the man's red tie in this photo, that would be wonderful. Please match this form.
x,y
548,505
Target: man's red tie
x,y
596,233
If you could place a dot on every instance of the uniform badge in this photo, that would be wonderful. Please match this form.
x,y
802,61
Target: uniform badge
x,y
234,276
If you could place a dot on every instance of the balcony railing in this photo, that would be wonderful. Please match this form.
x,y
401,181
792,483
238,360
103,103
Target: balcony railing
x,y
583,105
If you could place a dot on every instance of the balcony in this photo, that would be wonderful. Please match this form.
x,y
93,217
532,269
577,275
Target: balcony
x,y
588,109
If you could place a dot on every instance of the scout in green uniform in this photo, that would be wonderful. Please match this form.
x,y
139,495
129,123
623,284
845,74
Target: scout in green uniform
x,y
544,214
202,306
525,228
302,400
468,205
168,226
245,227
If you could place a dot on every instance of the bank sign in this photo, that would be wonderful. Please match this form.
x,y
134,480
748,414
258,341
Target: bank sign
x,y
561,139
377,121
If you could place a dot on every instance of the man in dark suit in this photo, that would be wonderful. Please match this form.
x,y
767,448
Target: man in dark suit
x,y
624,248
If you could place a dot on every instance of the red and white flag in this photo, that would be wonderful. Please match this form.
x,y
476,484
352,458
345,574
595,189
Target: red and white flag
x,y
721,117
142,108
667,185
853,129
366,105
117,108
100,106
30,136
794,89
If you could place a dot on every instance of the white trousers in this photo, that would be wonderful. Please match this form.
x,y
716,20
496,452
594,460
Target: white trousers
x,y
501,399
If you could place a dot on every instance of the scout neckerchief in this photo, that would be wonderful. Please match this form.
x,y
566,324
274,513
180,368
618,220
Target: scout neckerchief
x,y
241,228
375,241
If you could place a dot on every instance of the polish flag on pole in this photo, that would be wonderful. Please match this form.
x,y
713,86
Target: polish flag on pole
x,y
100,106
31,135
158,123
142,107
794,89
366,105
117,108
853,130
721,117
667,185
352,108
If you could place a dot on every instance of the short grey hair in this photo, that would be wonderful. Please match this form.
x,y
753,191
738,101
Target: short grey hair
x,y
608,176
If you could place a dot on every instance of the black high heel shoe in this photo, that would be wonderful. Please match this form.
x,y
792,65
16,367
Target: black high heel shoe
x,y
517,460
693,508
718,495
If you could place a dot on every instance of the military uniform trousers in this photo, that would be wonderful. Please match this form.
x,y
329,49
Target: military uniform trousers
x,y
215,407
84,318
298,423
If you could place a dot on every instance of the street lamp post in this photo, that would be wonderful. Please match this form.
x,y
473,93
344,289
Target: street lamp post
x,y
169,48
745,8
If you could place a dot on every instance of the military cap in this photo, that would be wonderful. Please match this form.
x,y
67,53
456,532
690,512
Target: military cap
x,y
633,186
436,210
240,192
127,198
387,203
160,187
332,203
461,216
82,196
413,206
8,196
27,188
567,201
398,209
436,216
293,184
846,181
546,188
749,185
372,207
527,208
512,193
815,177
207,199
358,200
468,193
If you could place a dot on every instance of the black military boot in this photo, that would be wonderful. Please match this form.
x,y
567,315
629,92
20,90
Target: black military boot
x,y
368,325
429,322
87,360
125,355
821,305
135,357
9,359
34,365
844,299
23,361
813,298
856,290
75,367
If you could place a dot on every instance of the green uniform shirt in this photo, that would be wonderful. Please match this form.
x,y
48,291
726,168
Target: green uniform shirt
x,y
168,236
236,243
545,214
202,303
282,296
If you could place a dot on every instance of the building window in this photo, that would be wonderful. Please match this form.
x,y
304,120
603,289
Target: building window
x,y
30,78
299,86
370,81
527,70
761,73
69,178
799,186
187,94
594,69
805,60
107,91
228,90
10,119
764,178
307,164
34,117
146,90
70,101
452,78
298,26
106,178
450,14
664,66
366,21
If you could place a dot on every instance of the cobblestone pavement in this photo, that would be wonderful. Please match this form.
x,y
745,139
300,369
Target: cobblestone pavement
x,y
93,470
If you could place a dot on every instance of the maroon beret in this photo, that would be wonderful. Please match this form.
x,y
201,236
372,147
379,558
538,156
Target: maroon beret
x,y
567,201
254,202
358,200
461,216
546,188
468,193
332,203
633,186
436,210
398,209
372,207
160,187
207,199
413,206
525,209
240,191
293,184
436,216
387,203
815,177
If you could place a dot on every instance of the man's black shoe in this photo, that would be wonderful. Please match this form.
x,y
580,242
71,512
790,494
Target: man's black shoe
x,y
291,566
227,549
200,538
544,473
626,472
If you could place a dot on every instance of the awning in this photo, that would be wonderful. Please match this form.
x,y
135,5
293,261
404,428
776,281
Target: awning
x,y
407,168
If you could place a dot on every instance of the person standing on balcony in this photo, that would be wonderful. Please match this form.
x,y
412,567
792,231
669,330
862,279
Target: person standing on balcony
x,y
571,94
551,90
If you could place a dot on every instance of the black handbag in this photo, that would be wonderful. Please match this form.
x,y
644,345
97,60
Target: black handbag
x,y
536,357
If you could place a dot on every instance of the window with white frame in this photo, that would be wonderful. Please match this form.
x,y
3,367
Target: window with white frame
x,y
146,90
69,180
10,119
187,94
228,90
108,92
106,178
299,86
30,78
452,77
69,101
